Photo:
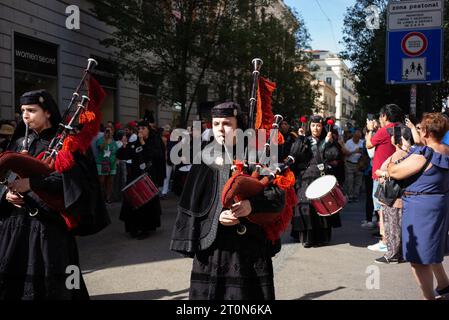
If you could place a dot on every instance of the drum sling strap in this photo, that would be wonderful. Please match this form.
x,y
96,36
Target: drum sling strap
x,y
317,155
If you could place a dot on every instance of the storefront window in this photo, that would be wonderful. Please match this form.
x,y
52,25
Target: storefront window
x,y
106,74
35,66
148,101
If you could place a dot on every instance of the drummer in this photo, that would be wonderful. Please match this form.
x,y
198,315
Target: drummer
x,y
148,156
318,150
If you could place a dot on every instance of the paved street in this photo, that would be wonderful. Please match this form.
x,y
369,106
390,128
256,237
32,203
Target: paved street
x,y
118,267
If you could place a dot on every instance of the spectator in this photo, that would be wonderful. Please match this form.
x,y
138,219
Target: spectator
x,y
106,162
393,213
6,132
390,115
168,165
425,223
353,175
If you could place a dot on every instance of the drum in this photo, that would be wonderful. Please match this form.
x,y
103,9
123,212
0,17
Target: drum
x,y
140,191
326,196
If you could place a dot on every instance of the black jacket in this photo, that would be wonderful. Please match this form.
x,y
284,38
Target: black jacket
x,y
148,157
200,206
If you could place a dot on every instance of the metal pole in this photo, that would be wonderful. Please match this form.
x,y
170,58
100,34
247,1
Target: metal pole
x,y
413,100
428,98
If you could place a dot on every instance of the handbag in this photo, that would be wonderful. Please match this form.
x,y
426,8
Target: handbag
x,y
388,191
105,167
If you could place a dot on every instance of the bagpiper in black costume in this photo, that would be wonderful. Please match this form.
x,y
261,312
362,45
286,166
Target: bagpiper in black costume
x,y
226,265
35,250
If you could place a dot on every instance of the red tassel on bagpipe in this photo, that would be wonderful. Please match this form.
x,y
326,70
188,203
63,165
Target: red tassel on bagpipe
x,y
91,120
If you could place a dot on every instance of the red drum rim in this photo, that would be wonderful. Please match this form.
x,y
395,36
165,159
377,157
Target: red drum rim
x,y
132,182
329,214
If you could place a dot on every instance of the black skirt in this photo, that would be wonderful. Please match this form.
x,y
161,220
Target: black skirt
x,y
35,254
307,225
234,268
146,218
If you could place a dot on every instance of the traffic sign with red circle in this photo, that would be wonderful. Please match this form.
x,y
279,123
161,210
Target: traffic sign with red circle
x,y
414,44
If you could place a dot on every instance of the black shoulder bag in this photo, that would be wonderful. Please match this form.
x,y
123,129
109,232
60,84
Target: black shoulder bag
x,y
390,190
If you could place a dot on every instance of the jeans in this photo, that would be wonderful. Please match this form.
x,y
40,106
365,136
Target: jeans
x,y
376,203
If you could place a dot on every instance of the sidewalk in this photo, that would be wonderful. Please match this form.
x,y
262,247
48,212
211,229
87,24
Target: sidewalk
x,y
118,267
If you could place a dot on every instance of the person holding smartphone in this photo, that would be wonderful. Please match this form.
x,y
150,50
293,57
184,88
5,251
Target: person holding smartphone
x,y
390,115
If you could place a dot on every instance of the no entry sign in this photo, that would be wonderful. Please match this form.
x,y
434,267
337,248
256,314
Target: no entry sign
x,y
414,44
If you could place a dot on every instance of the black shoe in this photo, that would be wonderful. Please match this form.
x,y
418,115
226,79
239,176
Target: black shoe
x,y
321,244
443,292
142,235
308,245
134,234
383,260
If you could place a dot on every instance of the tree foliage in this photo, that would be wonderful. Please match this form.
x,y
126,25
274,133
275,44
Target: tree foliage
x,y
366,49
189,43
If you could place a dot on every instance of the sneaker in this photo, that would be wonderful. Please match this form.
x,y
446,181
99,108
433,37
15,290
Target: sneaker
x,y
368,225
442,292
380,247
383,260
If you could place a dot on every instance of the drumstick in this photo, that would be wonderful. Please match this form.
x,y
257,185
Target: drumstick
x,y
330,123
303,120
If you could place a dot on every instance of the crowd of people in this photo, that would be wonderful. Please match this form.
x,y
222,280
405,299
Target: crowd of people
x,y
403,167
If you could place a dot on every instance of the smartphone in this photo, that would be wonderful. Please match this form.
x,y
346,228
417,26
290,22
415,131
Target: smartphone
x,y
397,135
407,117
370,116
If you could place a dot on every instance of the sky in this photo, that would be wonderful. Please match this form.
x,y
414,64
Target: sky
x,y
324,24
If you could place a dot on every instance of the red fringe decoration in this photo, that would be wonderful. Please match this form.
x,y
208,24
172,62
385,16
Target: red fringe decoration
x,y
286,183
91,119
70,220
264,112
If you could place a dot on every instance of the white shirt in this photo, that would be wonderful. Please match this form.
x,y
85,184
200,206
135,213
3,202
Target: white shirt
x,y
352,146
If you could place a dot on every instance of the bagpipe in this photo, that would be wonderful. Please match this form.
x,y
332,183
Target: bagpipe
x,y
74,134
243,185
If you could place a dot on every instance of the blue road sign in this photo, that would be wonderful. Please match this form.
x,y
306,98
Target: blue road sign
x,y
414,56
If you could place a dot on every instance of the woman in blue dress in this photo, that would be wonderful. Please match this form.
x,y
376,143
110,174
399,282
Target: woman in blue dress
x,y
425,223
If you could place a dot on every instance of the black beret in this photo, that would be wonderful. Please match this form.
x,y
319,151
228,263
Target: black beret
x,y
316,119
40,97
226,109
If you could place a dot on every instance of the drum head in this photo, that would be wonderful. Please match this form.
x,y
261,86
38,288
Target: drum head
x,y
321,187
185,168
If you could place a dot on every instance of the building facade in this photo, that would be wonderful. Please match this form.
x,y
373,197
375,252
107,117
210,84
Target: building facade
x,y
329,68
38,50
325,101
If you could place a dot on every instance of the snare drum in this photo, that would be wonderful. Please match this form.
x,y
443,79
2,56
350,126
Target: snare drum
x,y
326,196
140,191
